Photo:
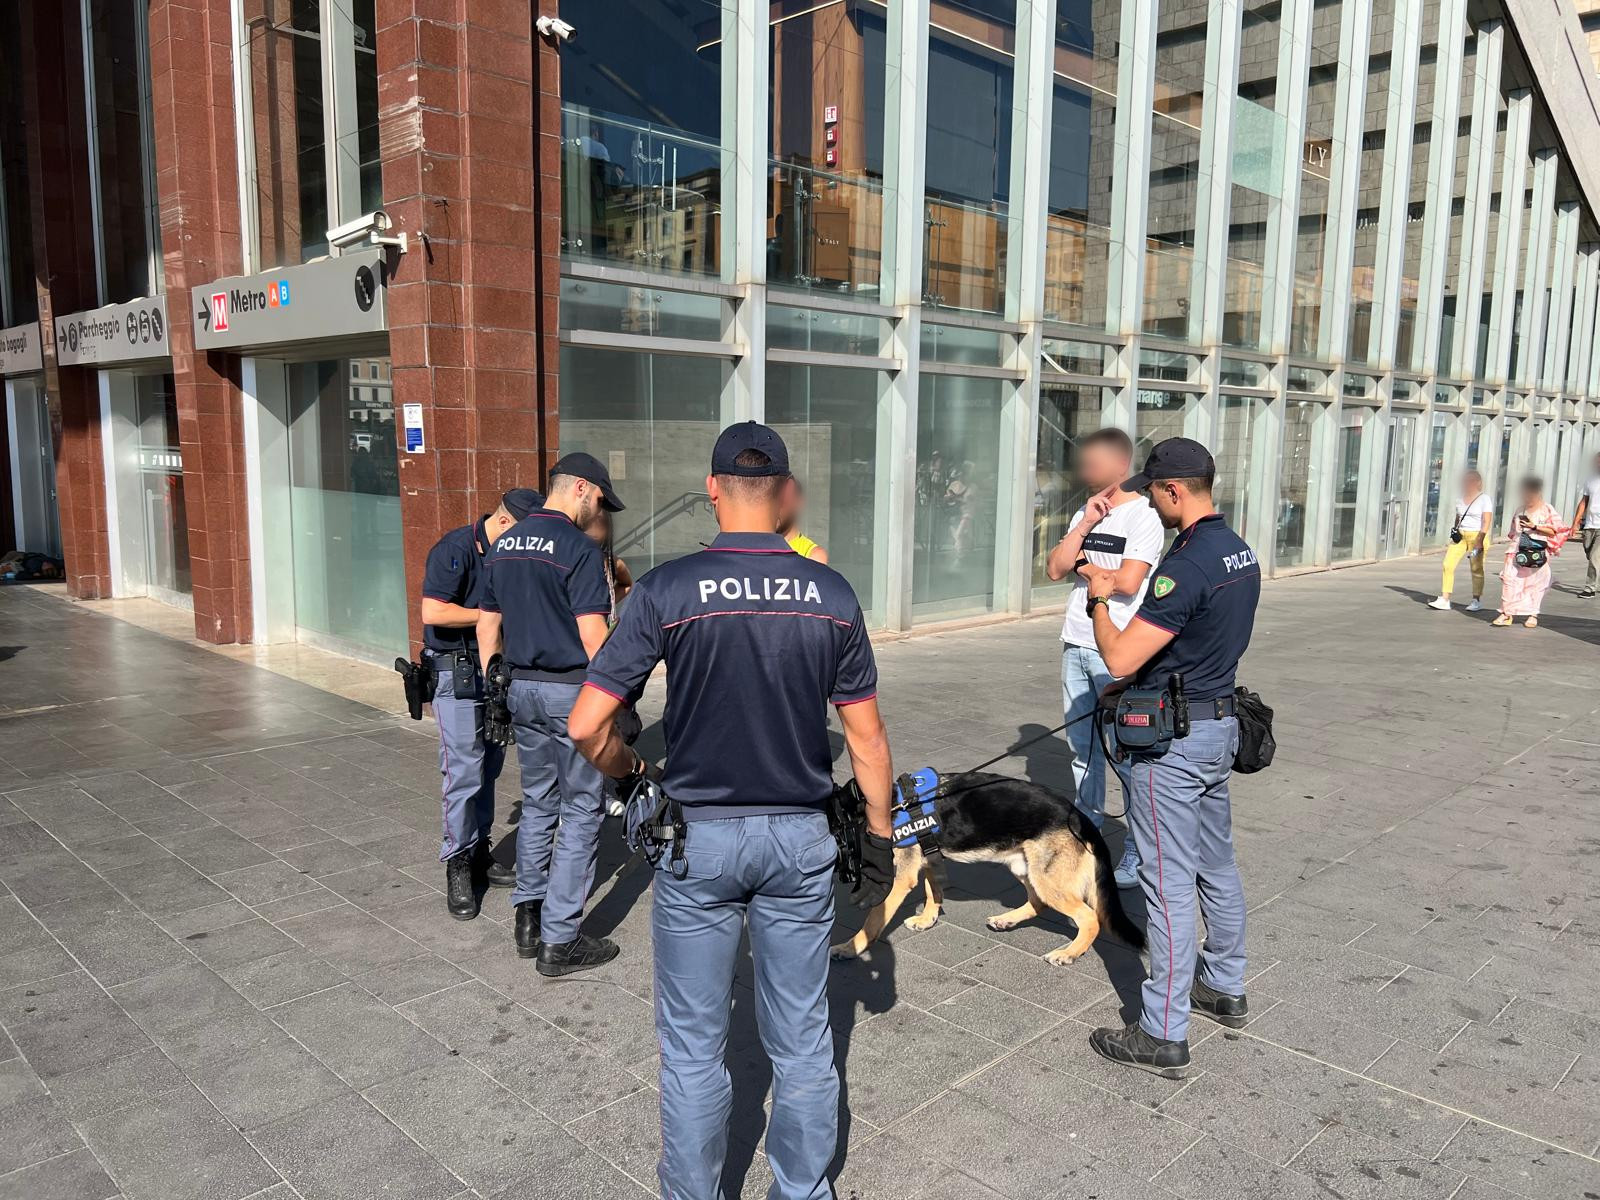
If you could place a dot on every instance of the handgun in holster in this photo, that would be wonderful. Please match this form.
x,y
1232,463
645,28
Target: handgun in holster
x,y
847,819
419,679
1144,720
497,703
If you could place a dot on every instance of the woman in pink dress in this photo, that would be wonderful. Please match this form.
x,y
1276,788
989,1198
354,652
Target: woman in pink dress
x,y
1535,526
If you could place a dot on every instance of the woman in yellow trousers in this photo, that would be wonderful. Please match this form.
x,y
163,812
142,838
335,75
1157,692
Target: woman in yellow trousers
x,y
1474,521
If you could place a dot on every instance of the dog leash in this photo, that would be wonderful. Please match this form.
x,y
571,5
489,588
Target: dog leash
x,y
1036,738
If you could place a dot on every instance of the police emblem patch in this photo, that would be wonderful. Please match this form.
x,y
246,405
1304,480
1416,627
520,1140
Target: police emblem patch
x,y
1162,585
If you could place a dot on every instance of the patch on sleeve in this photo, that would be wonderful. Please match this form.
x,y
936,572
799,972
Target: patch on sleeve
x,y
1162,585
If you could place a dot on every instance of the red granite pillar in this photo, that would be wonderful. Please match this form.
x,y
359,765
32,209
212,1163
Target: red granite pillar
x,y
471,307
62,216
197,178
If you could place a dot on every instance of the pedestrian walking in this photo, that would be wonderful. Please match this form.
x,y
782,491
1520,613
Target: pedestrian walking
x,y
1536,534
1469,539
1587,521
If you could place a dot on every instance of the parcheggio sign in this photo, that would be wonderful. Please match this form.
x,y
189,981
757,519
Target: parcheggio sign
x,y
338,297
118,333
20,349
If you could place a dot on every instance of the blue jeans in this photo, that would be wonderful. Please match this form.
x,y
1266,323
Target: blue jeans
x,y
469,767
778,872
563,805
1083,677
1182,818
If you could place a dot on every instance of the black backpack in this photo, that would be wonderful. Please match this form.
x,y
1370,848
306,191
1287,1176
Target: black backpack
x,y
1256,743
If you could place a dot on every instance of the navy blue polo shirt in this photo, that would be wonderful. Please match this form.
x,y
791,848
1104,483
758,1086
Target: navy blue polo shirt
x,y
541,575
454,574
757,641
1204,592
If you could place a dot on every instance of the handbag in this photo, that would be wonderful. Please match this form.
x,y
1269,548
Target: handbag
x,y
1256,743
1531,552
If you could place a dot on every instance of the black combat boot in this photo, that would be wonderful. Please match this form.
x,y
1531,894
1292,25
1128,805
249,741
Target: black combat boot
x,y
528,913
578,955
1133,1047
492,872
1222,1008
459,895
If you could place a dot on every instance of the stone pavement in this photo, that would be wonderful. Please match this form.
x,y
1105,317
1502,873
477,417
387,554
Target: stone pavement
x,y
226,970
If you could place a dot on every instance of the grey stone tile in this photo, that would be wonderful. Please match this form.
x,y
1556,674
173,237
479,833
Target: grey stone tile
x,y
113,941
265,882
318,899
399,982
31,1127
1526,1018
885,1165
359,1036
215,850
1520,1165
996,1015
1347,1163
164,887
375,885
326,857
282,977
234,946
350,939
1353,1047
121,852
1266,1126
1061,989
74,1176
177,1147
33,963
180,999
1212,1169
105,1087
344,1149
65,1023
205,919
267,1077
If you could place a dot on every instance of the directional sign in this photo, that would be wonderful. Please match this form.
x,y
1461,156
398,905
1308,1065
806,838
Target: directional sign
x,y
117,333
20,350
331,298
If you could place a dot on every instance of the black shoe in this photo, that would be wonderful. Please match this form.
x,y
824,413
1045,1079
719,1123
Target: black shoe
x,y
528,913
579,955
459,896
1133,1047
1232,1011
492,872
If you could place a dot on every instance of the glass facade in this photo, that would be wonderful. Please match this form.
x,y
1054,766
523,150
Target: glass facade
x,y
119,96
933,380
19,295
344,504
160,467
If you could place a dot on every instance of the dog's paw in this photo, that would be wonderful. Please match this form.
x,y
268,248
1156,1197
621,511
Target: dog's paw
x,y
1060,958
842,952
923,920
1001,924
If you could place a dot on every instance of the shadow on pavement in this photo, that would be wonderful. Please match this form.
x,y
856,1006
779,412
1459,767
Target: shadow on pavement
x,y
1583,629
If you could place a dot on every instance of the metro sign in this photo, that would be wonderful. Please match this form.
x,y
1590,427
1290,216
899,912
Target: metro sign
x,y
219,312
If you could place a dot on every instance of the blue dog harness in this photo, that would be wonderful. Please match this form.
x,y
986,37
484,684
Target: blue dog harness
x,y
916,820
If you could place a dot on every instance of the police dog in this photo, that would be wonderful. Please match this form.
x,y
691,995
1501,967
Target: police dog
x,y
1044,838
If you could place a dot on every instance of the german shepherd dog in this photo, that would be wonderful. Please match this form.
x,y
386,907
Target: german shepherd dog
x,y
1044,838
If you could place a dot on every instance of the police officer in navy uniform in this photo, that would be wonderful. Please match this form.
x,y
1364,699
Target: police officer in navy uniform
x,y
1195,621
545,604
758,641
452,586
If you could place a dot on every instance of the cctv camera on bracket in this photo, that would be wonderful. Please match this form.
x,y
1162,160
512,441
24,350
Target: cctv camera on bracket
x,y
555,27
366,230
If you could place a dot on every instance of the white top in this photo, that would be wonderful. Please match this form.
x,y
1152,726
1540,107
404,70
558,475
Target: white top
x,y
1471,515
1131,530
1591,515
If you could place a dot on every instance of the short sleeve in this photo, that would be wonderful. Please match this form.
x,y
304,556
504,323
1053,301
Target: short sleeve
x,y
635,646
855,676
1177,592
587,591
444,577
1076,518
1144,540
486,597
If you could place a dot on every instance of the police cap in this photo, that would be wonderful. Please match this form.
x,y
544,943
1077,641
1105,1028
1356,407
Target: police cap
x,y
1175,458
586,466
519,502
748,435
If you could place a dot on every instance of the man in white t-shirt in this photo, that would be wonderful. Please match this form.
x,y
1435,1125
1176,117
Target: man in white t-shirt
x,y
1118,531
1587,522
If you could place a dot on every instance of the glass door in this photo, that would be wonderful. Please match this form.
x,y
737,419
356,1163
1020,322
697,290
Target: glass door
x,y
1299,478
1347,484
1433,493
1395,508
160,467
37,518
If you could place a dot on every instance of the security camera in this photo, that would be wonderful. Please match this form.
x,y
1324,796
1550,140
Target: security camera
x,y
366,230
555,27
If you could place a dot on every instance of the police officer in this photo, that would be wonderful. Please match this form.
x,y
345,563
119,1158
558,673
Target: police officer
x,y
1195,621
452,586
545,602
757,641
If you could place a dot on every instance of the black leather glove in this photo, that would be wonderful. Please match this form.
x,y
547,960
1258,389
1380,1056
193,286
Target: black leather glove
x,y
877,871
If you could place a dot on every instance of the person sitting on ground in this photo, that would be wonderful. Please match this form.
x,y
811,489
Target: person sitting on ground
x,y
1474,520
791,508
1535,527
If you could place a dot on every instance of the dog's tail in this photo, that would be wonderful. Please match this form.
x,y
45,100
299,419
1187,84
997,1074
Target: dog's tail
x,y
1107,898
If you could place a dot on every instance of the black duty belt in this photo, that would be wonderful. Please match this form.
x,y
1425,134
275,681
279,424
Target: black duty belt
x,y
570,675
1218,709
453,655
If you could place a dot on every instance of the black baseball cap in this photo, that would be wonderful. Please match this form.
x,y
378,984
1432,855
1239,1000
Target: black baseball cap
x,y
748,435
519,502
587,466
1175,458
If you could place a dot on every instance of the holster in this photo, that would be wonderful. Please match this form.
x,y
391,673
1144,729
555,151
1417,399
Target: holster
x,y
653,824
497,703
419,679
847,818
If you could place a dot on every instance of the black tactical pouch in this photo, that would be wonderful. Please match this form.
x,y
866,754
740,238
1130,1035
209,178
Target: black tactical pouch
x,y
1256,743
847,819
497,703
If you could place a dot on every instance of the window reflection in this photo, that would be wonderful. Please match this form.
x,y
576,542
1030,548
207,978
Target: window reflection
x,y
1316,153
1174,166
1066,413
1082,149
130,226
958,467
291,170
19,296
1299,474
